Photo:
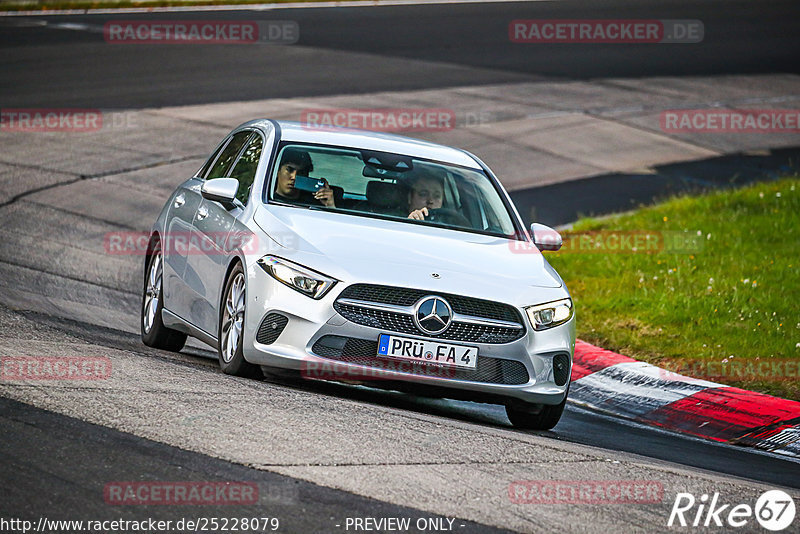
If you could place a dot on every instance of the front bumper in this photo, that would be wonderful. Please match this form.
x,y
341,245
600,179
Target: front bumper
x,y
300,346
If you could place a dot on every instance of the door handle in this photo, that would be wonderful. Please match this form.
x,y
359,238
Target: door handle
x,y
180,200
202,213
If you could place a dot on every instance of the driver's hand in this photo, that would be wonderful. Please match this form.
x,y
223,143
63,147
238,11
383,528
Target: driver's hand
x,y
325,195
419,215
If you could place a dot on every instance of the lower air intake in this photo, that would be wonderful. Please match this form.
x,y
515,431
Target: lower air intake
x,y
561,368
271,327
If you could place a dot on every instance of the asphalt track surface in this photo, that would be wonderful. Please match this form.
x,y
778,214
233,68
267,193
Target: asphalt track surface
x,y
97,454
59,464
578,425
364,50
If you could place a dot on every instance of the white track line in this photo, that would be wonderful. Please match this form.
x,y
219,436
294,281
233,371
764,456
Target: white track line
x,y
258,7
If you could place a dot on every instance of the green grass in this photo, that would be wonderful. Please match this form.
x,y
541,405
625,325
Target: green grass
x,y
729,311
46,5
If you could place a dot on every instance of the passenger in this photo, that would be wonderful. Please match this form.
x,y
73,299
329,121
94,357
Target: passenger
x,y
426,193
298,162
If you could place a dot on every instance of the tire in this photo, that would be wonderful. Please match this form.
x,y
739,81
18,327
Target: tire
x,y
154,333
230,351
536,416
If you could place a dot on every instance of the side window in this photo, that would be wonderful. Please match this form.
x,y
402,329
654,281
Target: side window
x,y
245,169
207,165
225,160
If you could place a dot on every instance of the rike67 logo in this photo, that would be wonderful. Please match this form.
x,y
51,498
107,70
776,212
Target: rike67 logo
x,y
774,510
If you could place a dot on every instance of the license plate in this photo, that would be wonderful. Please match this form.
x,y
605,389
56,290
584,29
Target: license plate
x,y
428,352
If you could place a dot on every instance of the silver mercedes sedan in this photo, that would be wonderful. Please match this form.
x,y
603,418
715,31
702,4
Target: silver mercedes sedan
x,y
361,257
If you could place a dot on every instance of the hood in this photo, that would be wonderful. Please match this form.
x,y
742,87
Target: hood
x,y
367,249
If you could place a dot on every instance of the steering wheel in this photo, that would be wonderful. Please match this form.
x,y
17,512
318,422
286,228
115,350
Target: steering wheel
x,y
447,216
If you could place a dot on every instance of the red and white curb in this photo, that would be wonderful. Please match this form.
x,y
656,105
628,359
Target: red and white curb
x,y
609,382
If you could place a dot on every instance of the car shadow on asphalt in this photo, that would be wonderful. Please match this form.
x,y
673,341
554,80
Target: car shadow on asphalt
x,y
195,354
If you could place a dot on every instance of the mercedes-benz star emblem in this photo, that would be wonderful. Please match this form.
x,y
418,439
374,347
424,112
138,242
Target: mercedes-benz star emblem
x,y
433,315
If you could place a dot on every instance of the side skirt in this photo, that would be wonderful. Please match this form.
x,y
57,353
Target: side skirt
x,y
175,322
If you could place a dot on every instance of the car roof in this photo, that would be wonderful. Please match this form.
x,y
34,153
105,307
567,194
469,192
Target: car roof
x,y
382,142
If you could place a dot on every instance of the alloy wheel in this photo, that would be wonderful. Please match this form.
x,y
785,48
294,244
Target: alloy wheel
x,y
152,291
233,318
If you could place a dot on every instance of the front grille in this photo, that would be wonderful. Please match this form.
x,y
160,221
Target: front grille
x,y
270,328
364,352
401,296
399,322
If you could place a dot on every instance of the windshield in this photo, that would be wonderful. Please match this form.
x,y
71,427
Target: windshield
x,y
398,187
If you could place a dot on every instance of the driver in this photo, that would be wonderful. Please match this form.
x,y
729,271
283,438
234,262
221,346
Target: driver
x,y
294,162
426,193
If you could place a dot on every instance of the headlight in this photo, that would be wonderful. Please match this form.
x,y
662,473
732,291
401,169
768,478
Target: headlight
x,y
548,315
299,278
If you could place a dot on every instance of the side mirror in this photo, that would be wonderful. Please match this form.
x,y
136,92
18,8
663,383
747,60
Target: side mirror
x,y
545,238
222,190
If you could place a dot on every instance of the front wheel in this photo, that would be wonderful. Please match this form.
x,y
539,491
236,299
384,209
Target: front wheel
x,y
154,333
231,328
536,416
